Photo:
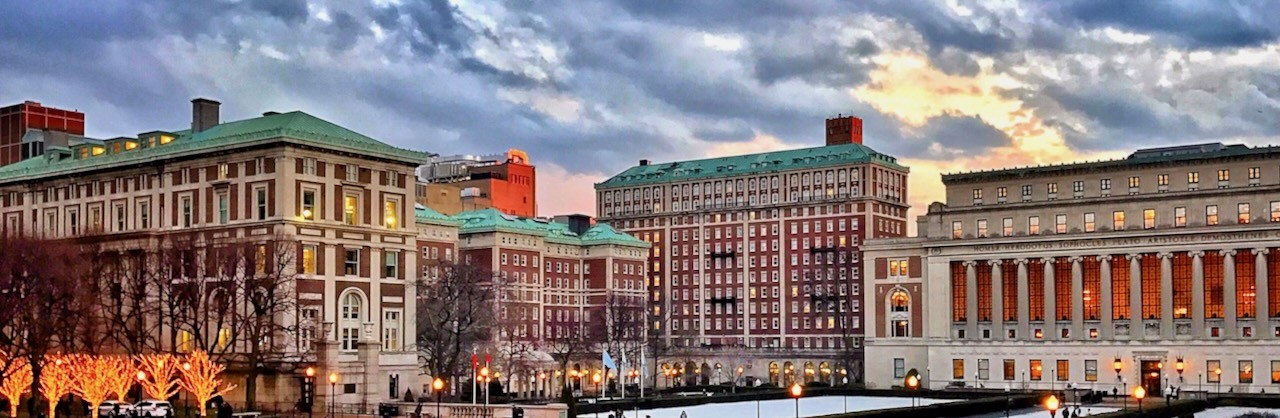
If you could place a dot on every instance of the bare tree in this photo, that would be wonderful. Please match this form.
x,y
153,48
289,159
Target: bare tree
x,y
456,315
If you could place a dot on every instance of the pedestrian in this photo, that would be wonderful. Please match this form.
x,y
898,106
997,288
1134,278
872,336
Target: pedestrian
x,y
115,410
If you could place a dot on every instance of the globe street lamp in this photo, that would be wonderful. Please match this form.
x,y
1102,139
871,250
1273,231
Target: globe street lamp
x,y
310,377
1139,393
596,378
1179,366
142,378
438,386
1218,373
735,380
1051,404
796,391
333,388
913,383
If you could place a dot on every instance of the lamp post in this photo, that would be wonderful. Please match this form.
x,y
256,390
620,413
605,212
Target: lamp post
x,y
142,378
796,391
310,377
1179,366
484,378
1218,373
975,380
913,384
736,379
596,378
333,388
438,386
1008,400
542,385
1051,404
1139,393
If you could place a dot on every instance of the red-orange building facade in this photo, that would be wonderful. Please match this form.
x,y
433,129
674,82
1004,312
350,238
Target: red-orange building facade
x,y
16,120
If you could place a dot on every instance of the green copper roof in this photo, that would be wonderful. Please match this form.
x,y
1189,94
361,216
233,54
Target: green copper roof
x,y
491,220
737,165
297,127
1140,158
427,215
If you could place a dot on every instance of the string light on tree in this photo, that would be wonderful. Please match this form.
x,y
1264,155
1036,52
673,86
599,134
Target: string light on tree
x,y
200,378
158,375
56,380
90,379
120,376
17,381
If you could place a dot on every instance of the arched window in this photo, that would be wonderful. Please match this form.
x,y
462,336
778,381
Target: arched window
x,y
352,313
899,315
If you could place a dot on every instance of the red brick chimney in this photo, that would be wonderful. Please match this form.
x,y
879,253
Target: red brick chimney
x,y
844,130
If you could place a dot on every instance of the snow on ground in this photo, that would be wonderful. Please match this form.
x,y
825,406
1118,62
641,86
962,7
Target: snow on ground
x,y
1041,413
1232,412
783,408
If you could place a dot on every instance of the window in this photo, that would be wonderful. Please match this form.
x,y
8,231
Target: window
x,y
309,166
957,230
121,217
1193,177
1091,370
1002,192
1181,285
1010,367
391,330
391,265
959,287
1060,224
1077,186
352,310
353,173
1106,184
899,368
260,259
1246,291
1255,173
144,215
393,180
1148,218
1053,188
982,227
1036,369
984,369
1213,370
1089,224
350,209
1063,370
391,213
351,265
1119,288
222,171
957,369
1179,217
977,194
1224,175
1135,182
224,209
1162,180
309,259
898,267
186,211
1006,228
1026,190
261,202
1213,282
309,205
1275,211
1211,215
1242,213
984,292
1117,220
1033,225
1246,371
1150,284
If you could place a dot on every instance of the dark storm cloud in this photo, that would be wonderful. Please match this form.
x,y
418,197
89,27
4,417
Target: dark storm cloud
x,y
942,137
1193,24
290,11
818,62
344,31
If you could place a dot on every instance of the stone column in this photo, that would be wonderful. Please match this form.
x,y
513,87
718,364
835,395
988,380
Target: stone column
x,y
1229,293
971,300
1260,267
997,300
1077,298
1135,296
1050,304
1104,298
1197,294
1024,302
1166,295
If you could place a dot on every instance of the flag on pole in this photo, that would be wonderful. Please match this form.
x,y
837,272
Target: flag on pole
x,y
622,375
608,361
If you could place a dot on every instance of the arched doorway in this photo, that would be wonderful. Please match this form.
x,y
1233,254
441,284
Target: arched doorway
x,y
824,372
690,374
788,373
774,375
808,371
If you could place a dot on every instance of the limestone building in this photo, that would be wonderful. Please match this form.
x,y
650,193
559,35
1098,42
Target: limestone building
x,y
1159,269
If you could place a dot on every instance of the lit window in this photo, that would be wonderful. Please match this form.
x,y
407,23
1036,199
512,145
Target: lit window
x,y
957,230
350,209
1275,211
1255,173
1033,225
1149,218
1053,188
1089,224
1242,213
1060,224
1179,217
1117,220
1162,180
1106,184
1224,175
1135,182
977,194
260,260
1007,227
391,213
1002,192
309,205
1211,215
1077,186
982,227
309,259
1193,177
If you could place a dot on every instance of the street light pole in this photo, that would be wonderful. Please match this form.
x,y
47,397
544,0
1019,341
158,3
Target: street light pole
x,y
796,391
311,385
333,387
438,385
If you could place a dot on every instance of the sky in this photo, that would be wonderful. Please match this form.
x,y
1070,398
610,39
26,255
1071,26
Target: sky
x,y
588,88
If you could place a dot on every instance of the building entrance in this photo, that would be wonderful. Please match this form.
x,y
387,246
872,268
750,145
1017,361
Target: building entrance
x,y
1151,378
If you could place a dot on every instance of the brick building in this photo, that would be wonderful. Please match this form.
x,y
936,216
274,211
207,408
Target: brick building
x,y
23,128
756,258
454,184
329,200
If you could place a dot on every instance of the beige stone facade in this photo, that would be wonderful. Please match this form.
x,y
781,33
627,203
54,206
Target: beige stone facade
x,y
1177,281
